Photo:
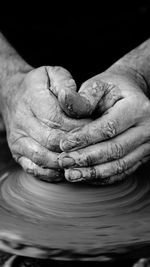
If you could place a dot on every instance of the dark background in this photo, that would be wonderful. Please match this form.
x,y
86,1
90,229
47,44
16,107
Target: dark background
x,y
84,39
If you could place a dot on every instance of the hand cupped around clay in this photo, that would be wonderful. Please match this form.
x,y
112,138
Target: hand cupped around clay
x,y
35,122
117,141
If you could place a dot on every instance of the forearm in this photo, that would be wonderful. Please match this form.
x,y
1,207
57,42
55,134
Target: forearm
x,y
10,61
137,60
12,69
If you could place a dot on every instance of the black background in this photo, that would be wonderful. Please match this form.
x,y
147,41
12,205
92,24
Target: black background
x,y
84,39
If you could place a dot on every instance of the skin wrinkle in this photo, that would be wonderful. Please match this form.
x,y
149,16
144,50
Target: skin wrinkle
x,y
109,130
115,151
120,167
139,61
122,81
93,174
90,231
53,88
107,97
48,79
42,173
34,115
28,116
88,160
96,86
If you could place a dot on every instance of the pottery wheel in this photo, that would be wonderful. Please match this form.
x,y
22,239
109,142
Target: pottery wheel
x,y
73,221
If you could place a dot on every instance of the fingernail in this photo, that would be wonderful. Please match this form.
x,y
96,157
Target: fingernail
x,y
67,162
72,140
67,145
73,175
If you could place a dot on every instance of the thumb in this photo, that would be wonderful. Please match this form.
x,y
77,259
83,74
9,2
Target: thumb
x,y
82,104
63,86
60,79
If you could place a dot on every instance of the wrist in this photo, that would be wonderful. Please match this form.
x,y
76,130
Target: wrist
x,y
12,71
9,88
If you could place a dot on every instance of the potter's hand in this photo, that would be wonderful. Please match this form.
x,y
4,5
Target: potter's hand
x,y
115,143
35,122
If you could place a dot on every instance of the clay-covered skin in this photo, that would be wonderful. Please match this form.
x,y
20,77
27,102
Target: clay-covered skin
x,y
117,141
34,120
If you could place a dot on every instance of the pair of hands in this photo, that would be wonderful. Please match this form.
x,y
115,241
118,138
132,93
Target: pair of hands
x,y
103,129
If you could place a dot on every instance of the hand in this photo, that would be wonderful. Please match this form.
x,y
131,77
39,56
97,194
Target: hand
x,y
34,121
117,141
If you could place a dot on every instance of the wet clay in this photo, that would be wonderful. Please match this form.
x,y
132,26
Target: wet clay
x,y
73,221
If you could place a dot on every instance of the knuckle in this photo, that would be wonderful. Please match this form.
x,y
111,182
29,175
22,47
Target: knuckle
x,y
115,151
82,158
83,139
32,169
88,160
36,156
112,94
90,175
93,173
87,139
109,129
121,166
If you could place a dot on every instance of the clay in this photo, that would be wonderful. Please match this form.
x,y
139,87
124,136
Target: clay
x,y
67,221
73,221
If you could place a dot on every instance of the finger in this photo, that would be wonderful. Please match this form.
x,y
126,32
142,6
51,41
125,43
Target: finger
x,y
62,85
27,147
43,134
68,124
116,178
123,115
93,95
52,78
105,151
48,175
53,82
49,114
107,170
120,177
49,135
60,79
82,104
